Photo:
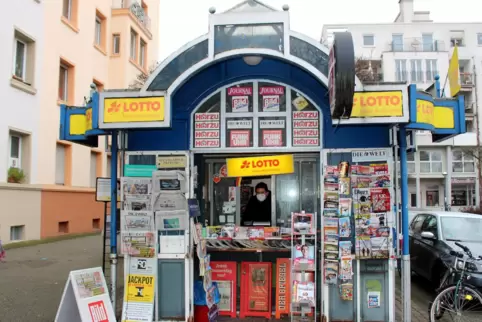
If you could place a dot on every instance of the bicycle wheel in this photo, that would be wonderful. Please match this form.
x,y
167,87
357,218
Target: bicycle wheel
x,y
462,305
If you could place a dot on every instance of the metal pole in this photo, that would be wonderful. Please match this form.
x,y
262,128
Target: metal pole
x,y
406,278
113,219
437,85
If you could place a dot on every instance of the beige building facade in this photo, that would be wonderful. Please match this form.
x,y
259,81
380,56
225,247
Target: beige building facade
x,y
73,43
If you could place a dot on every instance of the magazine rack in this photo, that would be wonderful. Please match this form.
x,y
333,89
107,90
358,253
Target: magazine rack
x,y
303,266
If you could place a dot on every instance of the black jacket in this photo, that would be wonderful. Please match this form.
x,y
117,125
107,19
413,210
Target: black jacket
x,y
258,211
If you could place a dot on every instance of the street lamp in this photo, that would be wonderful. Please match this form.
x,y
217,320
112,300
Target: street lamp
x,y
446,204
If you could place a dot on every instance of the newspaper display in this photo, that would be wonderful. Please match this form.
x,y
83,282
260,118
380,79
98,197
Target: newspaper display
x,y
138,233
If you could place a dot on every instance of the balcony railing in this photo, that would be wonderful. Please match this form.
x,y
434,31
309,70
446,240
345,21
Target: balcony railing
x,y
466,79
366,77
430,75
401,76
136,9
416,45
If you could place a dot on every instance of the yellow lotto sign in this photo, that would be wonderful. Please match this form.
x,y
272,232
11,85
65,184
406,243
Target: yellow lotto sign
x,y
139,109
425,112
439,116
80,123
377,104
139,288
260,166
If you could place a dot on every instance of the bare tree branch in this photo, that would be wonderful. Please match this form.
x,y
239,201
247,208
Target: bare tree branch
x,y
142,77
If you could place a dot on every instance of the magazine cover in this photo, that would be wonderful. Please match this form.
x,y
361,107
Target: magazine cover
x,y
344,227
358,181
272,232
330,212
345,248
363,248
331,169
361,170
344,187
256,232
331,196
380,181
331,187
346,292
346,268
380,247
345,207
302,223
304,257
380,199
330,178
331,271
361,195
331,251
380,169
304,292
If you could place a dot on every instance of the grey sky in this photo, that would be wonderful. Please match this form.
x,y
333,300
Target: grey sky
x,y
183,20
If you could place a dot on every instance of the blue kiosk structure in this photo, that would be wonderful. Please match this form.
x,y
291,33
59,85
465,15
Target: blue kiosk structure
x,y
241,89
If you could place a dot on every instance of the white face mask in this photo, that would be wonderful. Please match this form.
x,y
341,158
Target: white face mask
x,y
261,197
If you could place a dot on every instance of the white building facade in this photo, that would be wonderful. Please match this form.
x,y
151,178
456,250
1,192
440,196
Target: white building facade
x,y
414,49
20,66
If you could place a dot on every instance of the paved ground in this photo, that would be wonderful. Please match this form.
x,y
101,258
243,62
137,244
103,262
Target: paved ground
x,y
32,280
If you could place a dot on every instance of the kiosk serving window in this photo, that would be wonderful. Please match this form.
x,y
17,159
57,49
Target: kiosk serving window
x,y
258,114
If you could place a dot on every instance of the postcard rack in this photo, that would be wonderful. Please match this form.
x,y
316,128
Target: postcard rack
x,y
303,266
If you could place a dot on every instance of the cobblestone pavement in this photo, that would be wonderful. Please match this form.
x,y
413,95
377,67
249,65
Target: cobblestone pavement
x,y
421,296
33,278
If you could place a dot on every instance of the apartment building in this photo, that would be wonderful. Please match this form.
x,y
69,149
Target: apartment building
x,y
102,42
22,37
414,49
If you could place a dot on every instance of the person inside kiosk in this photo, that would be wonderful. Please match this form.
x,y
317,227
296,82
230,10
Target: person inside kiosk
x,y
258,209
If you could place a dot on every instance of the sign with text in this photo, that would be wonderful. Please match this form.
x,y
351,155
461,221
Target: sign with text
x,y
138,298
255,290
272,138
123,110
224,273
378,104
239,138
282,299
369,155
260,166
85,298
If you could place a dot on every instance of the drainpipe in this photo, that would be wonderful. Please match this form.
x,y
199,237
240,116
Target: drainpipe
x,y
477,132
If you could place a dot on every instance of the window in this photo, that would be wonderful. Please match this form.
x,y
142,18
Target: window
x,y
401,70
411,162
23,68
432,69
469,125
19,154
63,83
462,162
66,82
416,225
98,31
397,42
430,225
17,233
430,161
462,228
116,44
99,85
96,223
67,9
15,151
413,200
143,53
457,41
64,227
69,12
479,39
20,63
60,164
427,41
432,197
368,40
93,168
133,45
416,74
108,167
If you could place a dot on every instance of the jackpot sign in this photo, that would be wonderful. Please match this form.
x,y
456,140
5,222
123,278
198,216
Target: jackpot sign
x,y
256,166
119,111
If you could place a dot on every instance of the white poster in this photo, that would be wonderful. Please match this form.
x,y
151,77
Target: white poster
x,y
138,237
145,266
135,187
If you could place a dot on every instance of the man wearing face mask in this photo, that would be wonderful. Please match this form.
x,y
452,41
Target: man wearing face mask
x,y
258,208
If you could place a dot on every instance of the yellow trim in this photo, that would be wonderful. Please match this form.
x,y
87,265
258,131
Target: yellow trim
x,y
443,118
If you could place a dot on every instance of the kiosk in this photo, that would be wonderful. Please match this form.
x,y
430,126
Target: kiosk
x,y
253,101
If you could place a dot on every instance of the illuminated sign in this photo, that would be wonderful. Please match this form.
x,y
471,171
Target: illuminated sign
x,y
378,104
259,166
425,112
123,110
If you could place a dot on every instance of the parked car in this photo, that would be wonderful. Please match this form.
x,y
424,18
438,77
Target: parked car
x,y
433,235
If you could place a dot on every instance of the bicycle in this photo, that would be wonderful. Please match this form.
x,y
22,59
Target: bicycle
x,y
454,292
